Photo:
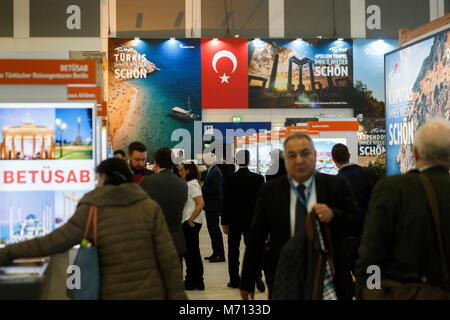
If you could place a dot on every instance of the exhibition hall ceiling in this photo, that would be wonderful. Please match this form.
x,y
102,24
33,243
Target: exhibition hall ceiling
x,y
372,19
315,18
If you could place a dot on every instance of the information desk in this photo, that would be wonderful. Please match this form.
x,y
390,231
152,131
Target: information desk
x,y
24,279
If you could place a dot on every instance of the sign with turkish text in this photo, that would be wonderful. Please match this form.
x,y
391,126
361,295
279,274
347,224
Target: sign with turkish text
x,y
43,72
333,125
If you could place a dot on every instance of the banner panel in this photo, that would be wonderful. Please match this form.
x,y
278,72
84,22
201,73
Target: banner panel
x,y
17,71
311,73
417,88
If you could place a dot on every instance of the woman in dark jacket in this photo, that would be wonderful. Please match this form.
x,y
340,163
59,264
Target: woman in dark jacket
x,y
137,257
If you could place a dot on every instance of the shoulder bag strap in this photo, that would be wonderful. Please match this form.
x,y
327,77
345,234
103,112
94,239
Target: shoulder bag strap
x,y
92,217
432,200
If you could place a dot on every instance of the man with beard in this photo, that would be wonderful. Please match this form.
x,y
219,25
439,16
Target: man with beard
x,y
137,156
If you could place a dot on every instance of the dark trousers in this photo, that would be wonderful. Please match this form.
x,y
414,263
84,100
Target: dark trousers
x,y
194,264
234,242
212,221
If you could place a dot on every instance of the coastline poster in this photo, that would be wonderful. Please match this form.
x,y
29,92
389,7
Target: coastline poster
x,y
368,72
417,88
154,89
310,73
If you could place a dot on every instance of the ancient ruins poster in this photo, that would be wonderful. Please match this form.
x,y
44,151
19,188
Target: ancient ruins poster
x,y
295,73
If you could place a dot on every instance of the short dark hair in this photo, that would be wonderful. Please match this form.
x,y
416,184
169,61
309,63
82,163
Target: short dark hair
x,y
193,172
163,157
243,157
116,171
340,153
136,146
120,152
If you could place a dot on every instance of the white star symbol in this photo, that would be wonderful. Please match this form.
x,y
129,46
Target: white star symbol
x,y
224,78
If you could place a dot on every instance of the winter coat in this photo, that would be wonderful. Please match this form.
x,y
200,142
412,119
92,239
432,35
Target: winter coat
x,y
137,257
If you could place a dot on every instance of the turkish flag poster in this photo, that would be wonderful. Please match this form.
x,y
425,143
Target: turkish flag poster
x,y
224,73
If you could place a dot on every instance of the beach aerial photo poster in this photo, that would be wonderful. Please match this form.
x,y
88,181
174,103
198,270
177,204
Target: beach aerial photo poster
x,y
417,82
310,73
154,89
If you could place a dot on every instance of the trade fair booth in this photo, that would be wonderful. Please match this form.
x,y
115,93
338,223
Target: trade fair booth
x,y
63,111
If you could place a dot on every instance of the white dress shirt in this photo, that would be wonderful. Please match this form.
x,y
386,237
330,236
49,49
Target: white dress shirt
x,y
312,200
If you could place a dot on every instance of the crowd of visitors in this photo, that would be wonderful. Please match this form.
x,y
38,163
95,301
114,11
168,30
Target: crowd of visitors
x,y
312,235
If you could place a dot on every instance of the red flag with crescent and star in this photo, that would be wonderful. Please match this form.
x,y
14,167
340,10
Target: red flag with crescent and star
x,y
224,73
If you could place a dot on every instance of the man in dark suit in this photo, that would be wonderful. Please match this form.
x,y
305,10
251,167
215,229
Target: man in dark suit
x,y
362,180
241,192
171,194
212,190
281,212
399,233
277,168
137,156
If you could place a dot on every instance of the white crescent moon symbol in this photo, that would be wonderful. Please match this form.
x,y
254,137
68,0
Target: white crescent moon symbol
x,y
224,54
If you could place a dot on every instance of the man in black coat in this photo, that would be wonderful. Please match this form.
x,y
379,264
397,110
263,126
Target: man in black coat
x,y
170,192
399,234
241,192
362,180
212,190
277,168
280,213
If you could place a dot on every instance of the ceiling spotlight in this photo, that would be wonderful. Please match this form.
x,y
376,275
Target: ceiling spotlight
x,y
236,36
319,37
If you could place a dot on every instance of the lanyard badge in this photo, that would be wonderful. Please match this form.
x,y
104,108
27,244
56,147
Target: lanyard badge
x,y
308,192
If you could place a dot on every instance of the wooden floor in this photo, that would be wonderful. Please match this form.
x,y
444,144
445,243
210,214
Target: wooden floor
x,y
216,274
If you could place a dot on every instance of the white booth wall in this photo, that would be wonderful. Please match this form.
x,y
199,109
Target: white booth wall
x,y
276,116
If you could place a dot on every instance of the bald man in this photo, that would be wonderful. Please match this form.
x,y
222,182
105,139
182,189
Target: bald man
x,y
399,235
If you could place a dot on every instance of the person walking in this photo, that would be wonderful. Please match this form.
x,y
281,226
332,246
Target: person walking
x,y
137,256
362,180
281,211
212,190
407,230
170,192
192,223
241,191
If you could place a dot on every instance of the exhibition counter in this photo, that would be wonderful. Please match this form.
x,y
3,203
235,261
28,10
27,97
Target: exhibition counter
x,y
24,280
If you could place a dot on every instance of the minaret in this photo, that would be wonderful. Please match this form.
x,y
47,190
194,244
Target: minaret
x,y
43,219
10,220
19,213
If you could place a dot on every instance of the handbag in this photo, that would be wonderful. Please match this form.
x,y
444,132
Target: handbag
x,y
87,262
413,288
